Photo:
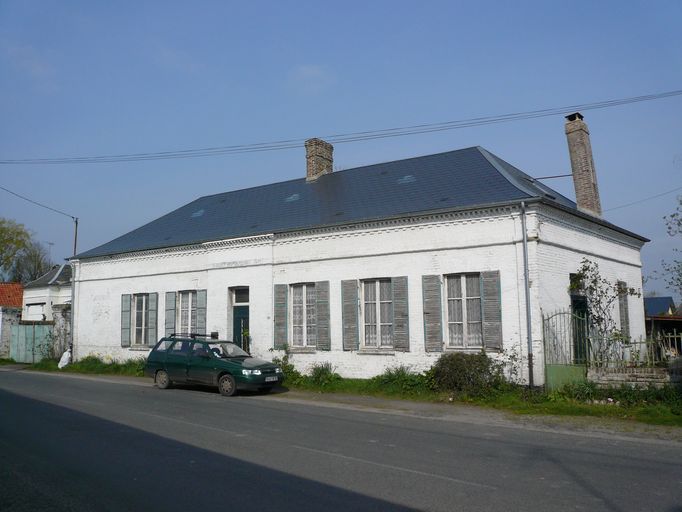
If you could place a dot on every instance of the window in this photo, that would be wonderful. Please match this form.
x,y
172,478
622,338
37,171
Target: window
x,y
187,312
465,328
241,295
303,315
180,348
140,319
377,305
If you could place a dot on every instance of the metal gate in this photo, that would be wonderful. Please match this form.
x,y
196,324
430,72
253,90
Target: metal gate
x,y
566,342
30,343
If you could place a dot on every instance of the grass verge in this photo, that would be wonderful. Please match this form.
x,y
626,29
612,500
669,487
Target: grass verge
x,y
651,405
93,365
7,361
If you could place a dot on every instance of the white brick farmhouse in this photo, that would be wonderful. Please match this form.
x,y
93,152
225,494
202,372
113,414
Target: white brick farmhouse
x,y
366,268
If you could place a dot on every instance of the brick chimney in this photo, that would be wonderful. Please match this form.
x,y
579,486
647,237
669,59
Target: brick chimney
x,y
318,158
582,165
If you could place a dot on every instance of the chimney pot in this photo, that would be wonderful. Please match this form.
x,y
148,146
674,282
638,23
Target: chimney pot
x,y
319,158
582,165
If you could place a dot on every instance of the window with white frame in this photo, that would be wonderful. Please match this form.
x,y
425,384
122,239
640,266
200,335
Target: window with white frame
x,y
465,327
377,314
187,311
303,315
139,313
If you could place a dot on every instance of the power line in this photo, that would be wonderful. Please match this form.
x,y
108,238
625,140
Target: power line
x,y
643,200
73,218
37,203
342,138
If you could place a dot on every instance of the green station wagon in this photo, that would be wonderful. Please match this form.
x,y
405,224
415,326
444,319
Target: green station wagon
x,y
188,360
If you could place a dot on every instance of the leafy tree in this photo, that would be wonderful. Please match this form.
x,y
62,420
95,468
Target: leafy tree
x,y
30,263
673,269
13,239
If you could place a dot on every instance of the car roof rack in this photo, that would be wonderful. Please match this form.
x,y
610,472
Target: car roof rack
x,y
193,335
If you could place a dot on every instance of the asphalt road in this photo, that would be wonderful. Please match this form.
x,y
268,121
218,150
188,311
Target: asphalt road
x,y
72,443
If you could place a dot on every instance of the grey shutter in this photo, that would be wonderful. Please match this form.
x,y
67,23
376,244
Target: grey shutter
x,y
152,315
201,311
126,299
322,310
170,313
401,330
349,314
281,318
492,310
623,309
433,321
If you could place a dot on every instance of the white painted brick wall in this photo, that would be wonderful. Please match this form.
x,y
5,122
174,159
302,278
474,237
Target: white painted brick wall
x,y
467,242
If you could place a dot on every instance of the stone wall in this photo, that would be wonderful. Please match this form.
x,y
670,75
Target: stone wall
x,y
62,328
635,377
8,318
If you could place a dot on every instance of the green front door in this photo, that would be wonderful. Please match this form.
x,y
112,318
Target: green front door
x,y
240,327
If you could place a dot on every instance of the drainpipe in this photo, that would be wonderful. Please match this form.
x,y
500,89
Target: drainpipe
x,y
73,305
527,290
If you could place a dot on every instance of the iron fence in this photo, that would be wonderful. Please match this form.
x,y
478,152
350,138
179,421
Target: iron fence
x,y
570,340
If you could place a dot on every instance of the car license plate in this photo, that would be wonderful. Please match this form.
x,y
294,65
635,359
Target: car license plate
x,y
270,379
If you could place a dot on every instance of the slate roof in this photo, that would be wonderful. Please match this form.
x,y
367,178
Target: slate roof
x,y
57,276
658,306
448,181
11,295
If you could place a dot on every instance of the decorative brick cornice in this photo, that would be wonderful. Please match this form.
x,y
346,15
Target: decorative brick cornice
x,y
584,226
397,224
181,250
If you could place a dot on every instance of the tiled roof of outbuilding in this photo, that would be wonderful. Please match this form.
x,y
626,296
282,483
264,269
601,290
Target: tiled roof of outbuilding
x,y
11,295
57,276
655,306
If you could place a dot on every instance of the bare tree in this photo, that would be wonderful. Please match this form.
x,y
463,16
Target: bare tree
x,y
30,263
672,270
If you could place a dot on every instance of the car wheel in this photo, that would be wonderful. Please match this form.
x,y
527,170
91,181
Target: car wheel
x,y
162,380
226,385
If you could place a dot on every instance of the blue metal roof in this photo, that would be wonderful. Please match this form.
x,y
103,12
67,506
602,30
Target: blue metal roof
x,y
656,306
445,181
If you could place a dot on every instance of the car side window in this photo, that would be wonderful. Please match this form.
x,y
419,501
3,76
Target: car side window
x,y
163,345
199,349
180,348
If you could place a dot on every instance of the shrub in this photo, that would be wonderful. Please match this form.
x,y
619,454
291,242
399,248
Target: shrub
x,y
291,374
473,375
323,375
400,379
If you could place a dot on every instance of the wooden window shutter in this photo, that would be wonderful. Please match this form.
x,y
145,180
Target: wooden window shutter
x,y
433,321
322,310
349,314
170,313
201,311
280,317
126,300
623,311
401,317
152,315
492,310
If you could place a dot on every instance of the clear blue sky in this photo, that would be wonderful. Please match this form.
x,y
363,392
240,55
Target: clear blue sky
x,y
97,77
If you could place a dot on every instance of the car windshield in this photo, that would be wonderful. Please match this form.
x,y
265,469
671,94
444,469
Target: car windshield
x,y
225,350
